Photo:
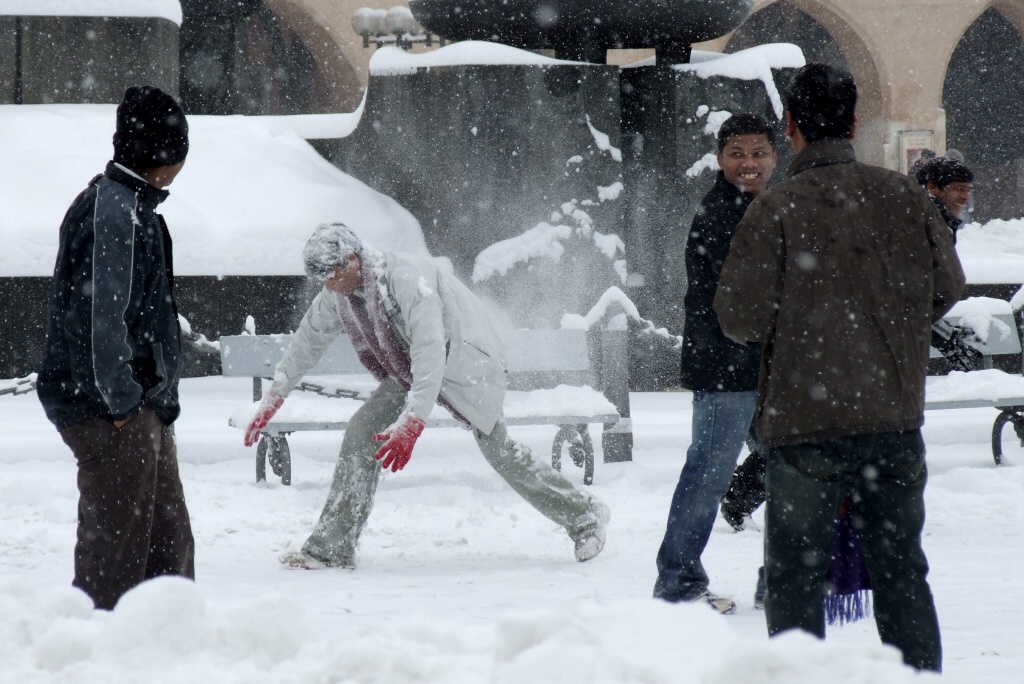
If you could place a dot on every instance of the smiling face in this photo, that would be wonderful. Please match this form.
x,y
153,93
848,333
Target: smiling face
x,y
955,196
748,161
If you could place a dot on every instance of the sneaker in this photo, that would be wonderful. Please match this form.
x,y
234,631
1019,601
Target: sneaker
x,y
722,605
591,539
301,560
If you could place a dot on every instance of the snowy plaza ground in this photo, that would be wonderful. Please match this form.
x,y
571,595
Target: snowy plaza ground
x,y
458,580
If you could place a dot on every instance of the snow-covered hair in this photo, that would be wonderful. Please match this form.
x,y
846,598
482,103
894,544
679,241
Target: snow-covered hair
x,y
330,246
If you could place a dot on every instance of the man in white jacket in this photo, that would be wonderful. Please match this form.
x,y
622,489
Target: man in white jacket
x,y
428,340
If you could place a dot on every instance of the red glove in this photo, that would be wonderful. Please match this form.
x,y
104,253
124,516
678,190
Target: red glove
x,y
268,407
399,440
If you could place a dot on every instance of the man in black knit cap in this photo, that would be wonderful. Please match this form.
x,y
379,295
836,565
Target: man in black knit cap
x,y
109,380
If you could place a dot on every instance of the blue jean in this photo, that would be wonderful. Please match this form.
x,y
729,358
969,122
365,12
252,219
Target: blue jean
x,y
884,475
721,422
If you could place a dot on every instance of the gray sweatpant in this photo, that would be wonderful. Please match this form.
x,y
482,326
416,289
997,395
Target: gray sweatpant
x,y
350,499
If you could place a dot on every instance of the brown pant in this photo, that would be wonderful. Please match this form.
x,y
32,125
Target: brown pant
x,y
132,519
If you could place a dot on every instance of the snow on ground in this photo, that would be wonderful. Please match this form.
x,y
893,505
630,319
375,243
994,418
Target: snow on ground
x,y
459,581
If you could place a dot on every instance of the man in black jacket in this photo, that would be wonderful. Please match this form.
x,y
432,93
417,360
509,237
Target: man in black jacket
x,y
722,374
949,184
109,380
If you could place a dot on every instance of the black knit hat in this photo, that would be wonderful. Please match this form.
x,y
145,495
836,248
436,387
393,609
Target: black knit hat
x,y
151,129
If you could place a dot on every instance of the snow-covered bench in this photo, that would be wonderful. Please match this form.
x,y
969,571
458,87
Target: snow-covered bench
x,y
997,333
552,372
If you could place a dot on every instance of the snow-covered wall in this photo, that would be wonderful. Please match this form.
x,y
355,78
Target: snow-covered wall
x,y
250,194
166,9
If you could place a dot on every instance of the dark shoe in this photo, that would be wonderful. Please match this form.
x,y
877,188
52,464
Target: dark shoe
x,y
761,590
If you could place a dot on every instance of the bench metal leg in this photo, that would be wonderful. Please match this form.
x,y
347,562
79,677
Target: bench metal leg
x,y
1006,415
277,451
581,449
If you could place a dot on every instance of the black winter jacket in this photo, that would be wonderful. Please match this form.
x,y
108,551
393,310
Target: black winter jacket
x,y
952,221
712,362
112,341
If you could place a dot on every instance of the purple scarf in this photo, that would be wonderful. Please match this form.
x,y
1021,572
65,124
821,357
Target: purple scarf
x,y
848,594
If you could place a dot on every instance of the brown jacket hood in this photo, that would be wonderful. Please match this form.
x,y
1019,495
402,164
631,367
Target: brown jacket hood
x,y
839,271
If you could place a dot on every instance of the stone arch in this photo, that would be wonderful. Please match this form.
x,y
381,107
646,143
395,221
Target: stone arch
x,y
981,94
262,57
339,74
840,40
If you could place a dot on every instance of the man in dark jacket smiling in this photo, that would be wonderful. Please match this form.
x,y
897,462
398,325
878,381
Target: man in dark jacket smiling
x,y
840,272
721,373
109,380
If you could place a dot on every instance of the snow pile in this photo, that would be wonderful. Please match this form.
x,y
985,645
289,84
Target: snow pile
x,y
249,197
989,385
993,252
603,142
615,296
394,61
166,9
459,581
753,64
978,313
165,631
545,240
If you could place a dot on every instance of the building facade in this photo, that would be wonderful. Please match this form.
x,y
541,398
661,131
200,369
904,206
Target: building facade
x,y
935,74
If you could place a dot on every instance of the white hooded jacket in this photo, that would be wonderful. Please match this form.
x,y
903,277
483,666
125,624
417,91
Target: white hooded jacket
x,y
454,340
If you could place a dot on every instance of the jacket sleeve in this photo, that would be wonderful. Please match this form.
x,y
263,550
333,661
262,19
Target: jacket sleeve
x,y
947,272
417,296
101,310
750,287
319,327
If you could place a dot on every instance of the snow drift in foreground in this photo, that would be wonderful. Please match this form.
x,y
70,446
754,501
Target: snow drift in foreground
x,y
164,631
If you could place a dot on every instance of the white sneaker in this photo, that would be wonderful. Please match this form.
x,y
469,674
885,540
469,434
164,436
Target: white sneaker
x,y
591,541
721,604
300,560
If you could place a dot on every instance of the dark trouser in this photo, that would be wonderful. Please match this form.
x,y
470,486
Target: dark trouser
x,y
132,519
884,475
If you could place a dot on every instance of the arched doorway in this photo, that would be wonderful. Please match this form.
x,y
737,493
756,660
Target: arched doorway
x,y
259,57
982,95
824,37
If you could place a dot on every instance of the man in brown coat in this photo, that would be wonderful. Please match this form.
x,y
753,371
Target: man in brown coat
x,y
839,272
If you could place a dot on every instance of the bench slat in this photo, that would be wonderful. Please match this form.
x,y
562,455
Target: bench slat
x,y
276,429
528,351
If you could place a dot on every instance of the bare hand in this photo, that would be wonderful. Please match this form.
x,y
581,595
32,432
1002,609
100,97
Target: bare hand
x,y
121,423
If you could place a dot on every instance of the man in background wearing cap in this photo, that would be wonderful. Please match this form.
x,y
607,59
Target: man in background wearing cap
x,y
109,380
949,184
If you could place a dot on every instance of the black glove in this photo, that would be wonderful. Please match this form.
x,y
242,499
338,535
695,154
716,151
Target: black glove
x,y
952,341
746,490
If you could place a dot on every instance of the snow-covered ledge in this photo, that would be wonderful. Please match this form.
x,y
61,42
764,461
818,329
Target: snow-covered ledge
x,y
162,9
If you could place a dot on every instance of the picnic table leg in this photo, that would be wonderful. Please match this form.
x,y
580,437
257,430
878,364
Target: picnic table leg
x,y
581,449
1006,415
277,451
261,459
280,457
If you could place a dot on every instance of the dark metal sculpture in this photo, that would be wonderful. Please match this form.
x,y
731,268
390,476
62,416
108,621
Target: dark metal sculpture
x,y
584,29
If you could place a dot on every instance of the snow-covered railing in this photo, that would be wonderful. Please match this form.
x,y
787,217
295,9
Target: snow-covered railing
x,y
19,385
